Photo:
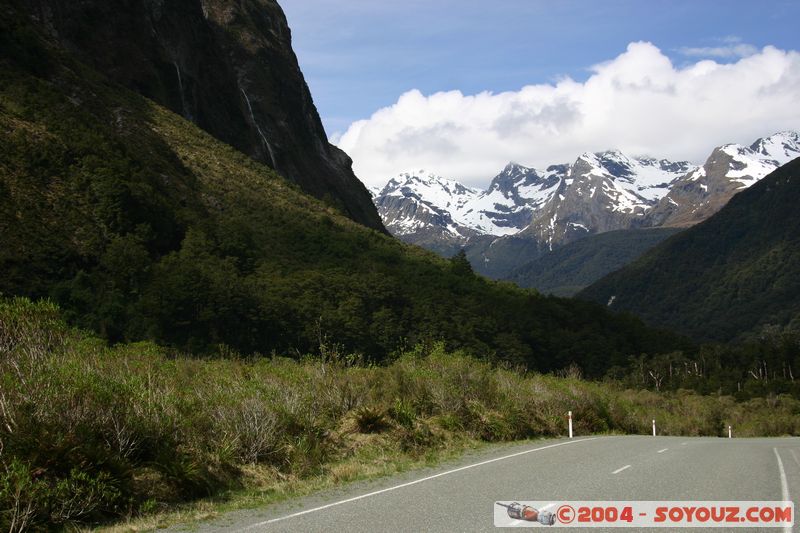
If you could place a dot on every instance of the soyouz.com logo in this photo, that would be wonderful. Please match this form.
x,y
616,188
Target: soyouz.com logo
x,y
666,514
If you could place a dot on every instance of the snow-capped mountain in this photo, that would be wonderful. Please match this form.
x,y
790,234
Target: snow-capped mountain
x,y
598,192
729,169
439,213
603,192
427,210
421,207
516,194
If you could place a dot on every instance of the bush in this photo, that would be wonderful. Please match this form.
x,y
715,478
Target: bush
x,y
89,433
371,419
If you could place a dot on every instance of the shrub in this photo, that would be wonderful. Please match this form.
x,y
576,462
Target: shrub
x,y
371,419
89,433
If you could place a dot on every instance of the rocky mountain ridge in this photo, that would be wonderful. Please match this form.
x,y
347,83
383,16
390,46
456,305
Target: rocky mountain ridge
x,y
438,213
730,275
599,192
729,169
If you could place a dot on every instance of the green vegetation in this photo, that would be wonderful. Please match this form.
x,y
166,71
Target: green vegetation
x,y
572,267
206,279
143,227
91,433
761,364
497,258
727,277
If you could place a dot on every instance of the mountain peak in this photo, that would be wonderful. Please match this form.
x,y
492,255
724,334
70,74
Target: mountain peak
x,y
709,281
512,167
613,153
782,146
590,157
599,191
513,175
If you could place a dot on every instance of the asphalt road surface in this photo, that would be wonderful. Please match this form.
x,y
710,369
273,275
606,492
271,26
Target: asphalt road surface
x,y
460,496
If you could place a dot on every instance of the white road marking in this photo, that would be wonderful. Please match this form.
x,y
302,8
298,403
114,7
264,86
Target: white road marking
x,y
389,489
684,443
618,470
784,484
662,451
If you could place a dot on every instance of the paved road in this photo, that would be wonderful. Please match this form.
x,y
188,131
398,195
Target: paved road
x,y
460,496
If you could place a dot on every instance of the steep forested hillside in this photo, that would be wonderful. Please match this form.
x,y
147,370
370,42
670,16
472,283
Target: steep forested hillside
x,y
141,225
736,271
226,65
567,270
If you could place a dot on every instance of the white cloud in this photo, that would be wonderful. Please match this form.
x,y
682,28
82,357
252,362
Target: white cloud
x,y
732,47
638,102
734,50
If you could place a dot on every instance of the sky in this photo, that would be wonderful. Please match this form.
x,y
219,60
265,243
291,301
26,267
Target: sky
x,y
462,87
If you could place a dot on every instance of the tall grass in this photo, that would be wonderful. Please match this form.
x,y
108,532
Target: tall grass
x,y
91,433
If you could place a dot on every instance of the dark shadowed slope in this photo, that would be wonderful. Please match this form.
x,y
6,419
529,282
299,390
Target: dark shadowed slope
x,y
227,66
726,276
141,225
567,270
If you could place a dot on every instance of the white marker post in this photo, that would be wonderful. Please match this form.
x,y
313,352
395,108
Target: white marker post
x,y
570,424
654,427
730,435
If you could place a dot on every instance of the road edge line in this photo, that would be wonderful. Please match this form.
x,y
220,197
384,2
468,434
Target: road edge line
x,y
416,481
784,484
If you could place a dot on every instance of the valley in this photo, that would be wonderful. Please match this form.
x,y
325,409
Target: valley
x,y
207,306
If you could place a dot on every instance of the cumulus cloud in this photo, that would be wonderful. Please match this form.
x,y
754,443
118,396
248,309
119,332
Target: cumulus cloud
x,y
639,102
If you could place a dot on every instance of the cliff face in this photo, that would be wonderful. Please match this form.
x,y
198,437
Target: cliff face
x,y
226,65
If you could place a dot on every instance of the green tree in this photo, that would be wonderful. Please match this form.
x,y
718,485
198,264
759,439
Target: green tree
x,y
459,264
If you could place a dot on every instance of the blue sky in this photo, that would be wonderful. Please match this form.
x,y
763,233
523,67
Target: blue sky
x,y
360,56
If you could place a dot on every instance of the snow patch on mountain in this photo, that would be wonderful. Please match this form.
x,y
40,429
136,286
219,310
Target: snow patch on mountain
x,y
503,209
599,191
751,163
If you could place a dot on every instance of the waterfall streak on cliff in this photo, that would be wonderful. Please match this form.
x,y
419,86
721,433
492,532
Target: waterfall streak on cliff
x,y
261,133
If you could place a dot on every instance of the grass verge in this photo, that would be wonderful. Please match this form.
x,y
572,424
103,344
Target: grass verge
x,y
266,486
133,434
